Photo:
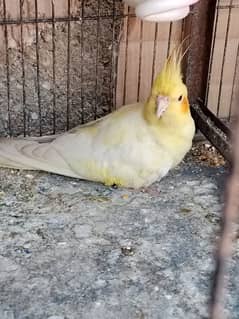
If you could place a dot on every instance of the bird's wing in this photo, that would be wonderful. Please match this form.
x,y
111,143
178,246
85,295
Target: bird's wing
x,y
120,148
25,154
40,153
118,145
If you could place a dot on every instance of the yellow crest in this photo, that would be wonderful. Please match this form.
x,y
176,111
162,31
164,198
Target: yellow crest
x,y
171,73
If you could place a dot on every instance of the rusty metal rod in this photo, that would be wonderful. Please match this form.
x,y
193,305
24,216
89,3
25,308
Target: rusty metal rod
x,y
95,107
82,61
68,68
64,19
21,3
7,66
214,129
38,80
53,66
230,217
113,75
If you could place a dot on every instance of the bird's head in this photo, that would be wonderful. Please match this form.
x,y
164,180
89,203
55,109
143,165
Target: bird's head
x,y
169,96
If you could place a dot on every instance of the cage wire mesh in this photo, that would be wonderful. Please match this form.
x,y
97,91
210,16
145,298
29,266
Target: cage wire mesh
x,y
58,61
69,62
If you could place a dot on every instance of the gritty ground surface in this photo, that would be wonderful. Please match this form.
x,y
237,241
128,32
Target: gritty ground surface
x,y
72,249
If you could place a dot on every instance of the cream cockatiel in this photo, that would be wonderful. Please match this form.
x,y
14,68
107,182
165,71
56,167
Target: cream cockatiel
x,y
131,147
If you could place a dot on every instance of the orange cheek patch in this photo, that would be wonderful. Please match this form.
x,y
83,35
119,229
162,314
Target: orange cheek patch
x,y
185,105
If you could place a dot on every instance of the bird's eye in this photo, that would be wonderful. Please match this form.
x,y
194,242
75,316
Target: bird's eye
x,y
180,98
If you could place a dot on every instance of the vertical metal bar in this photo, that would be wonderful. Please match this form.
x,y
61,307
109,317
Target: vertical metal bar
x,y
23,68
169,38
140,59
38,67
126,56
200,27
113,73
82,60
211,53
224,57
154,53
53,66
7,66
230,218
68,66
234,82
97,58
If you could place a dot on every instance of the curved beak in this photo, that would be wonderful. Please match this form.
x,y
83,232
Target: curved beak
x,y
162,105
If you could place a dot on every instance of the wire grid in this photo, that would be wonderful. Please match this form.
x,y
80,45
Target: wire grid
x,y
35,112
130,83
222,89
97,63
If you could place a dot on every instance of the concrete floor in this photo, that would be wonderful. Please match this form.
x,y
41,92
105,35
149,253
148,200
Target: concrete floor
x,y
72,249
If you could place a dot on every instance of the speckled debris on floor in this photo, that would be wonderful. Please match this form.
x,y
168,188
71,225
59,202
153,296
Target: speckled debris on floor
x,y
78,250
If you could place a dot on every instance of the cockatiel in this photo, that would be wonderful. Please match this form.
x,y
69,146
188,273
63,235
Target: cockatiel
x,y
131,147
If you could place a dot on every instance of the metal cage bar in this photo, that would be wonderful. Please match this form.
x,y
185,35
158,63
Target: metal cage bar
x,y
154,53
224,56
169,37
68,94
140,59
7,66
230,218
38,68
82,61
211,53
23,68
97,59
62,19
126,56
113,74
53,66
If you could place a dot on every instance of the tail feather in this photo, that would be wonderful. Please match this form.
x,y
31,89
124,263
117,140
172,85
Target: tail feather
x,y
31,155
8,163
